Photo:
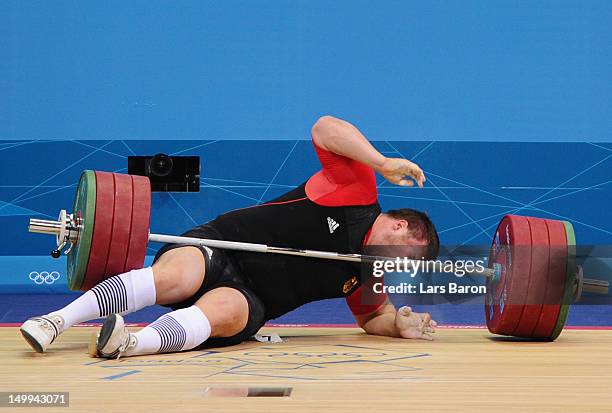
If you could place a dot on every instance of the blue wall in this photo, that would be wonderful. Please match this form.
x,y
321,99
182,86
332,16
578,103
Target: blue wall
x,y
404,70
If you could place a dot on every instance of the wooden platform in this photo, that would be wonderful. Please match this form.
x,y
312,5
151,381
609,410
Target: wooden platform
x,y
329,370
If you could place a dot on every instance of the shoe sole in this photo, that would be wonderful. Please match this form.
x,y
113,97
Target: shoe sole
x,y
106,332
32,341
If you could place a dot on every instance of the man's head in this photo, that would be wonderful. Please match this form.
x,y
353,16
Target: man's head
x,y
406,227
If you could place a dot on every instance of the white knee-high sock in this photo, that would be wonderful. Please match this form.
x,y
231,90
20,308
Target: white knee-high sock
x,y
178,330
124,294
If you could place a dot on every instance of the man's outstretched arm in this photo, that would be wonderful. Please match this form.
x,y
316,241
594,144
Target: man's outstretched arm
x,y
342,138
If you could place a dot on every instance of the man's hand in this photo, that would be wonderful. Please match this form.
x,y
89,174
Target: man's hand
x,y
414,325
399,171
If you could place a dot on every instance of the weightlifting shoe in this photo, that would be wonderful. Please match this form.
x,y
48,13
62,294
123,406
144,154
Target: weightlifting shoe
x,y
114,339
39,332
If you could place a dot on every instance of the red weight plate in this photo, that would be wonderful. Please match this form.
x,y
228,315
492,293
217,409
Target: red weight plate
x,y
102,230
538,278
556,280
141,213
506,295
122,221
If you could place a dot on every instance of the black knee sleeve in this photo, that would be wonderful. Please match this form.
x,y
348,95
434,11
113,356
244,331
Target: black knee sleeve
x,y
255,321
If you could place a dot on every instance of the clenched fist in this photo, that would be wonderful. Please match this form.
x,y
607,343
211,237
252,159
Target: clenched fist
x,y
401,172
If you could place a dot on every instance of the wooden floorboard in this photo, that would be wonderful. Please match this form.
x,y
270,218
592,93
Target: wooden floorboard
x,y
328,370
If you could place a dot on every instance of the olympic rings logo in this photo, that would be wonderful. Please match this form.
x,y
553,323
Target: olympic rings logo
x,y
44,277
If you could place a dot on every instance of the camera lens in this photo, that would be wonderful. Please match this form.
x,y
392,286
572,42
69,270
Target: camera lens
x,y
161,165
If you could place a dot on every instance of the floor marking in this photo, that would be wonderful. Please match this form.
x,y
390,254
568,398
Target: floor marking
x,y
299,362
121,375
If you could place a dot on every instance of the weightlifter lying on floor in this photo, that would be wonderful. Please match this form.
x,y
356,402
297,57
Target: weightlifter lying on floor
x,y
222,297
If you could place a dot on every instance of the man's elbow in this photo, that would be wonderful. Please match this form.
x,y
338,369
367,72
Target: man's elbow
x,y
366,329
325,122
370,328
363,321
324,129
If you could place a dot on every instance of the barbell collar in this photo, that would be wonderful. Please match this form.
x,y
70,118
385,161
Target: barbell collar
x,y
594,286
43,226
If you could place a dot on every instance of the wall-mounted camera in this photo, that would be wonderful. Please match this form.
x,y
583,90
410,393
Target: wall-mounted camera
x,y
168,173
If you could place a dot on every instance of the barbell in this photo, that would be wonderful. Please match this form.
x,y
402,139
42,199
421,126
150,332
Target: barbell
x,y
532,276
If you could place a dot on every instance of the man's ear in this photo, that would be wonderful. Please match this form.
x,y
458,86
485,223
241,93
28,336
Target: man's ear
x,y
400,224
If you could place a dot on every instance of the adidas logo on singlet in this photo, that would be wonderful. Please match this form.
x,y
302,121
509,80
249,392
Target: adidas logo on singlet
x,y
333,225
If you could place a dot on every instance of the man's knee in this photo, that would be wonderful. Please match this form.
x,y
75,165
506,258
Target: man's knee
x,y
178,274
227,310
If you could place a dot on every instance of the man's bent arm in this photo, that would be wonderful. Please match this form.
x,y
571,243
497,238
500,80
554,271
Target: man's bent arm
x,y
342,138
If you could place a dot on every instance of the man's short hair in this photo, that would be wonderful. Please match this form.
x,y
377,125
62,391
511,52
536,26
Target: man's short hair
x,y
420,228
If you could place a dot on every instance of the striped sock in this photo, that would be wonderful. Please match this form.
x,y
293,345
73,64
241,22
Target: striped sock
x,y
124,294
178,330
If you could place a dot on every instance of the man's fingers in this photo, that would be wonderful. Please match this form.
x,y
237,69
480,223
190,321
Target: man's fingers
x,y
416,325
405,310
401,169
418,175
427,336
421,181
420,178
429,330
425,320
429,323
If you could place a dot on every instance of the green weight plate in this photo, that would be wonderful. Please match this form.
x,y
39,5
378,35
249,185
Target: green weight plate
x,y
569,280
84,211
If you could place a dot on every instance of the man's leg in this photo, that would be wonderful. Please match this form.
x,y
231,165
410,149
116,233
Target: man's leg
x,y
222,312
174,277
